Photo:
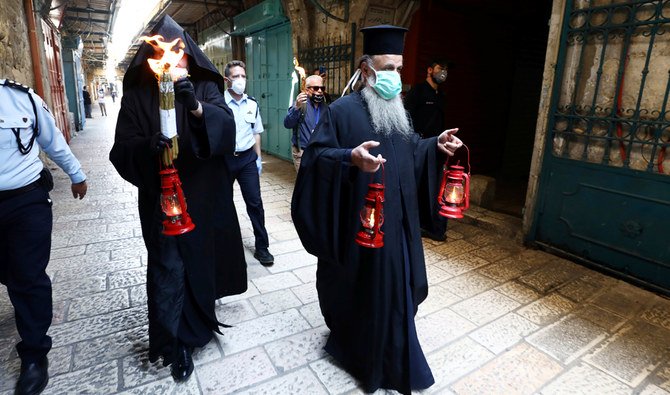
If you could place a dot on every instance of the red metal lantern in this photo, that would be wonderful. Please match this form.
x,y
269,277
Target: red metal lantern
x,y
173,203
454,197
372,216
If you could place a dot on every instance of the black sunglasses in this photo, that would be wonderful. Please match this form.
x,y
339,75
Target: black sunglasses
x,y
317,88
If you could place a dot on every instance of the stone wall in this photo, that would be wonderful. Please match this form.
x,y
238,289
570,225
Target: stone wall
x,y
311,27
15,61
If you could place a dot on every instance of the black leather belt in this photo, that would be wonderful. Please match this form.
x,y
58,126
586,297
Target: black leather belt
x,y
13,192
240,153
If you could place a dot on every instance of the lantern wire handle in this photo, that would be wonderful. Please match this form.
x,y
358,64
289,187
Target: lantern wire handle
x,y
372,175
449,157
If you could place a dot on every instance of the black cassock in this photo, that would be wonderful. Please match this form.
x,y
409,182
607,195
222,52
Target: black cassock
x,y
185,273
368,297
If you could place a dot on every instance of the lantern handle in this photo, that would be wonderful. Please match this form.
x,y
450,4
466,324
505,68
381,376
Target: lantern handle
x,y
372,175
446,164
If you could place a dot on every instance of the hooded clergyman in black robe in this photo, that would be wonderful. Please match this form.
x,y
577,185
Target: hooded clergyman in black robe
x,y
369,297
185,273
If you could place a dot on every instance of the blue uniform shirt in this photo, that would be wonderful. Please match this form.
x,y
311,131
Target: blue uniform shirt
x,y
247,121
16,112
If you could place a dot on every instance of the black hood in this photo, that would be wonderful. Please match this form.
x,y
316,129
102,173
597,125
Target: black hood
x,y
200,67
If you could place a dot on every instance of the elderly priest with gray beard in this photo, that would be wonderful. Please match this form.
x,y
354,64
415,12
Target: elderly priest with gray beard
x,y
369,296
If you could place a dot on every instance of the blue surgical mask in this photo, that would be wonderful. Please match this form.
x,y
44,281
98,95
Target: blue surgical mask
x,y
387,84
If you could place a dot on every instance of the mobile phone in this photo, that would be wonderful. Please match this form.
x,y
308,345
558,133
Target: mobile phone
x,y
322,70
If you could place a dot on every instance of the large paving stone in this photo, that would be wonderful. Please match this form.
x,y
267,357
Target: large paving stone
x,y
485,307
259,331
521,370
166,386
334,378
235,312
306,293
302,381
132,341
633,352
455,361
547,309
98,379
137,370
438,298
438,329
298,350
312,313
274,302
291,261
504,332
92,327
569,338
306,274
518,292
276,282
78,288
95,269
469,284
128,278
235,372
103,302
584,379
461,264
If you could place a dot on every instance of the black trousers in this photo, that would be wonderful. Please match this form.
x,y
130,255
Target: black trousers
x,y
243,169
25,245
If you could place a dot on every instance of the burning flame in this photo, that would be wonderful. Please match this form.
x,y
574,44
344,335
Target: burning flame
x,y
299,69
170,56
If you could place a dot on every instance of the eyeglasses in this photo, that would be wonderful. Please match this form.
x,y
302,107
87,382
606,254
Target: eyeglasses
x,y
317,88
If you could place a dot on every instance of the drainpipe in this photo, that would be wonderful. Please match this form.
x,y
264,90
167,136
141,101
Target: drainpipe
x,y
34,47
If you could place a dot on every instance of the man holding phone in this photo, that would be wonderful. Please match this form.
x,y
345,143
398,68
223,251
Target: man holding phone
x,y
304,114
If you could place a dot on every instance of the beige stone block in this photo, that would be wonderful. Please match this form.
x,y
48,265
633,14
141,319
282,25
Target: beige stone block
x,y
584,379
632,353
521,370
547,309
482,190
485,307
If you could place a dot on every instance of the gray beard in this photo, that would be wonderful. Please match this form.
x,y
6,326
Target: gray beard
x,y
388,116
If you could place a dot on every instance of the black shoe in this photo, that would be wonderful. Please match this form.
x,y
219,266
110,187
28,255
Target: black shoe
x,y
433,236
182,367
264,257
33,378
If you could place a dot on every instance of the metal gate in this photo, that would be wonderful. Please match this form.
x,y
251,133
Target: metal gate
x,y
605,186
335,58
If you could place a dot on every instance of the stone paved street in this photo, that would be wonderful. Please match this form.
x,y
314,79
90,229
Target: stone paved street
x,y
499,318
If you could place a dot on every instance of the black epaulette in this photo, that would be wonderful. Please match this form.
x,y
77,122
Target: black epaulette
x,y
16,85
252,98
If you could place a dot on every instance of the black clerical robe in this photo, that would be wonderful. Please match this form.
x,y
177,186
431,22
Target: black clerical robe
x,y
368,297
212,254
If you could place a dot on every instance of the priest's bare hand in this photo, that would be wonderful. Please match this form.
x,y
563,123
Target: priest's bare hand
x,y
361,158
448,143
79,189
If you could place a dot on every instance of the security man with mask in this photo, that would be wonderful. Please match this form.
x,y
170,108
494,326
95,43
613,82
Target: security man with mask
x,y
303,116
425,104
26,221
245,165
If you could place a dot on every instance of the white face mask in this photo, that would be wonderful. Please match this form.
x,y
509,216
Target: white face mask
x,y
238,85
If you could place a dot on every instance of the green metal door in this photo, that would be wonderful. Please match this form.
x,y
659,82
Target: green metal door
x,y
269,58
604,193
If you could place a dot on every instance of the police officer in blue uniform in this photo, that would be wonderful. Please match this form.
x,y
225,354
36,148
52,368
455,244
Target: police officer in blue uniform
x,y
26,221
246,165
